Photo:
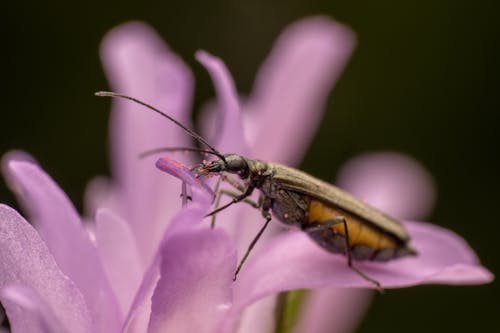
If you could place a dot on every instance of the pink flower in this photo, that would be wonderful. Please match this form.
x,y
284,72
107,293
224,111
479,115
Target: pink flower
x,y
140,263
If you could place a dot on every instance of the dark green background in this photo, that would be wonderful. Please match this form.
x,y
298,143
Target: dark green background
x,y
423,80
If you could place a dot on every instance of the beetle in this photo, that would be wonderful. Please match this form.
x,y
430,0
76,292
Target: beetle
x,y
337,221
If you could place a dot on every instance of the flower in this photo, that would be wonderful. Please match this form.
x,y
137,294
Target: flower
x,y
139,262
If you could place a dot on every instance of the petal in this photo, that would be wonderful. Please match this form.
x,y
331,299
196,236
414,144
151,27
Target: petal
x,y
259,317
25,260
292,86
62,230
333,310
240,221
138,317
99,193
138,63
118,251
195,289
393,182
444,258
292,261
179,171
140,312
230,132
28,311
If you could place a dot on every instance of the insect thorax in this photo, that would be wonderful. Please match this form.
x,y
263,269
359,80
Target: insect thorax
x,y
288,206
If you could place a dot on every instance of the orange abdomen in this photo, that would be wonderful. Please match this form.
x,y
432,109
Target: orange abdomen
x,y
366,241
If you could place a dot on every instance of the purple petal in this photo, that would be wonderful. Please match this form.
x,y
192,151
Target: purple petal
x,y
230,132
293,261
393,182
26,261
137,319
258,317
292,86
138,316
195,289
99,193
333,310
444,258
29,311
138,63
118,251
240,221
140,312
62,230
179,171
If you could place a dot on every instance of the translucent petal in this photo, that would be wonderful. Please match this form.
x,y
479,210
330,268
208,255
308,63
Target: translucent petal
x,y
26,262
62,230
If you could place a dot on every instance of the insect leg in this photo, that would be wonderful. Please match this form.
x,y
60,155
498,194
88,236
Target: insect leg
x,y
267,215
233,182
232,194
327,225
240,197
217,200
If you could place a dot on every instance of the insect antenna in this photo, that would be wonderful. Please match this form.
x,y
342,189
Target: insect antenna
x,y
170,149
195,135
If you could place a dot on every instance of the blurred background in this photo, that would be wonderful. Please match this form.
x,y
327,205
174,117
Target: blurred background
x,y
423,80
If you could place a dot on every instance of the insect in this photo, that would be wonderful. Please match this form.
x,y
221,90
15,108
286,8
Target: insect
x,y
337,221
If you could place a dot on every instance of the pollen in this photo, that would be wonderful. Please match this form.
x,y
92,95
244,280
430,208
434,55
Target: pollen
x,y
175,163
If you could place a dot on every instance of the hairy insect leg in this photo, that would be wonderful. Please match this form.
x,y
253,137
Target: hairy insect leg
x,y
327,225
267,215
